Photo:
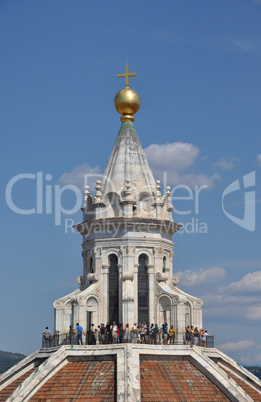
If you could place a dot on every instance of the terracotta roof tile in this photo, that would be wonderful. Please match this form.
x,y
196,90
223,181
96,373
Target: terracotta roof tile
x,y
170,380
81,381
246,387
7,391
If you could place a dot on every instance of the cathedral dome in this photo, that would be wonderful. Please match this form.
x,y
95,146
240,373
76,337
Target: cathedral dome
x,y
127,103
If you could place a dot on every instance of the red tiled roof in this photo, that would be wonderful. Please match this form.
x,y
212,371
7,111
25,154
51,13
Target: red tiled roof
x,y
246,387
170,380
80,381
7,391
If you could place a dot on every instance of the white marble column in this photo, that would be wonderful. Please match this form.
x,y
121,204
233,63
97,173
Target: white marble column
x,y
104,294
128,285
152,315
180,322
120,292
136,300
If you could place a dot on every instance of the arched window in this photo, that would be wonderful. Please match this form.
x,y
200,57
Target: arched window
x,y
91,265
114,205
113,288
143,290
164,265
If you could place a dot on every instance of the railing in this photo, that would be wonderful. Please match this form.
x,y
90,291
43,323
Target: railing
x,y
59,339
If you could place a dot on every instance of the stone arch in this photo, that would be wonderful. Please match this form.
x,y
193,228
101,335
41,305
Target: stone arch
x,y
113,205
143,288
145,203
164,264
165,309
189,307
92,311
91,265
106,253
144,251
113,288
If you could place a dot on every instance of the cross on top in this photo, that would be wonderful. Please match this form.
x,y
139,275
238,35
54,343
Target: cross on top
x,y
126,75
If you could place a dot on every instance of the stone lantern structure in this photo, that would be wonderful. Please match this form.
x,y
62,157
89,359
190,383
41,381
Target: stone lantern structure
x,y
127,245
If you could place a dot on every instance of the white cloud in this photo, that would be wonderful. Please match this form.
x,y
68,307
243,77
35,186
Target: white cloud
x,y
236,346
201,276
82,175
250,283
178,155
259,159
177,160
243,45
254,312
239,300
226,164
250,359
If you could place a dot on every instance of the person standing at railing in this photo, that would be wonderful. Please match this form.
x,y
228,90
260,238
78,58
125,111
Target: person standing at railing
x,y
70,334
79,334
126,336
171,335
48,337
164,330
103,334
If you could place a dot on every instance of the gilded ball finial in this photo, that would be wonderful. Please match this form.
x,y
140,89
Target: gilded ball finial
x,y
127,101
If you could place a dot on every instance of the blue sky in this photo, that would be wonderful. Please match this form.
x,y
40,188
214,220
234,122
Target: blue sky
x,y
198,66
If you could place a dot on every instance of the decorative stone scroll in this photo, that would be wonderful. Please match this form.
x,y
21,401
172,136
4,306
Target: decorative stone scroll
x,y
80,280
161,277
93,277
81,301
175,300
198,303
174,281
58,304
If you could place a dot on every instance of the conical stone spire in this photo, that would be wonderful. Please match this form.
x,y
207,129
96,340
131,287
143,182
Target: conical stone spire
x,y
127,162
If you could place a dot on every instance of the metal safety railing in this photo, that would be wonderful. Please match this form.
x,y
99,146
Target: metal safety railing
x,y
89,338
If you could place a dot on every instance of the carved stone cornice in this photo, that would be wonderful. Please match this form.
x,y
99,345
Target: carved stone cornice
x,y
135,224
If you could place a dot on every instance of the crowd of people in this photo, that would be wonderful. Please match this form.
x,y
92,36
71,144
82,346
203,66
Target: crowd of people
x,y
195,336
114,333
117,333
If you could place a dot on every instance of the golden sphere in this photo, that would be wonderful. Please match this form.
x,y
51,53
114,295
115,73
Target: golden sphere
x,y
127,103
